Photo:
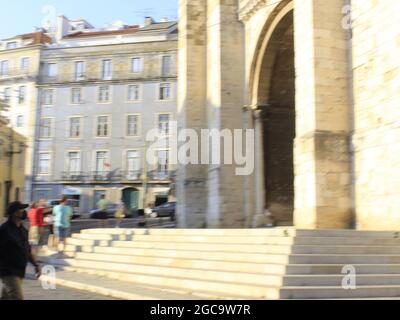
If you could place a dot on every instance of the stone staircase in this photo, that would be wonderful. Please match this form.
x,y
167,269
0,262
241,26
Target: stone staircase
x,y
280,263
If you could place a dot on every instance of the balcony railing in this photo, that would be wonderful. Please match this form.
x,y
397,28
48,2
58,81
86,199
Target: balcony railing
x,y
95,76
160,175
73,176
117,176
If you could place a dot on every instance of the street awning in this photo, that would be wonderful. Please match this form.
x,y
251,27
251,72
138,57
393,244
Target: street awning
x,y
72,192
160,191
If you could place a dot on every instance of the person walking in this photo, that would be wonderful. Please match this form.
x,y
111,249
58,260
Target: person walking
x,y
15,253
49,222
62,222
36,227
102,205
120,214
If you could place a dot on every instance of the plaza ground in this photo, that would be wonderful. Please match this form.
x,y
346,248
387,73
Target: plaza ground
x,y
33,291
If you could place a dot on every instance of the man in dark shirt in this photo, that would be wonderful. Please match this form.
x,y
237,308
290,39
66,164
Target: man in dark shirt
x,y
15,253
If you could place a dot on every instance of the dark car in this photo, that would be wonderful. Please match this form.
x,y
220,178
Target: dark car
x,y
167,209
111,210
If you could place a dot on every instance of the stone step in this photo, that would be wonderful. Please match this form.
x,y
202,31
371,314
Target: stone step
x,y
248,257
267,240
103,237
280,231
116,289
335,269
347,234
238,240
257,240
184,254
86,242
261,249
312,287
272,279
340,249
155,276
336,280
343,259
200,272
226,247
277,263
113,231
353,241
198,232
88,236
337,292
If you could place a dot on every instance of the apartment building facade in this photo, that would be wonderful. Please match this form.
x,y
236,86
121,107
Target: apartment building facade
x,y
19,70
99,93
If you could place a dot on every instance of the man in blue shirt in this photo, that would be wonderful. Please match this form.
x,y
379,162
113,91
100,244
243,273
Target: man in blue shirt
x,y
62,222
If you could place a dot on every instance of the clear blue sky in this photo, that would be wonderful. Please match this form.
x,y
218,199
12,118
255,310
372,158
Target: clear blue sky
x,y
20,16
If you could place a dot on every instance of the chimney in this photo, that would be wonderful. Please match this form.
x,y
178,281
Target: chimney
x,y
148,21
62,27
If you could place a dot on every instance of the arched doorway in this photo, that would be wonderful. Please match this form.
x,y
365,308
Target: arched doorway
x,y
275,97
130,197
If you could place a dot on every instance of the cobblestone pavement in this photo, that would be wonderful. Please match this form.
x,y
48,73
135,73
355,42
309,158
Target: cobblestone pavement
x,y
33,291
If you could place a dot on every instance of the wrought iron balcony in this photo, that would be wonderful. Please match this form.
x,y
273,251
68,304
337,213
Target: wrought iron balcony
x,y
73,176
116,176
96,76
163,176
102,176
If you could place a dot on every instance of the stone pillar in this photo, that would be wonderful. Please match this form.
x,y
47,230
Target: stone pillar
x,y
225,66
259,164
191,184
322,146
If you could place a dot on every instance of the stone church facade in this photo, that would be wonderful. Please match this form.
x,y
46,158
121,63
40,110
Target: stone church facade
x,y
319,82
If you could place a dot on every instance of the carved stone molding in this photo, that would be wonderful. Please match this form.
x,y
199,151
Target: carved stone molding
x,y
247,10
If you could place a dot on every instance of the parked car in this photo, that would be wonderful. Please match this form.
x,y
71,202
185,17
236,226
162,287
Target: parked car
x,y
112,208
167,209
73,203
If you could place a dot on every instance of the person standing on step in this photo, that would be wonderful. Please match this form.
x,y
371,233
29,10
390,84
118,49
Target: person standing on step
x,y
120,214
49,222
102,205
62,222
15,253
36,227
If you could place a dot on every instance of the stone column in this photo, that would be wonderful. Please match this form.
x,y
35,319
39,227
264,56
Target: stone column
x,y
191,184
259,186
322,147
259,163
225,74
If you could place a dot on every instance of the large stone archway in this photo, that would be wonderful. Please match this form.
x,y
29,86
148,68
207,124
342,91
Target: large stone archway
x,y
275,98
297,84
276,61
